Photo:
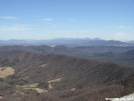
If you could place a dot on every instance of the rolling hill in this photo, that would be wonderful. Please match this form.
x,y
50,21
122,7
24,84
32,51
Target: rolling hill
x,y
61,49
54,77
126,58
103,53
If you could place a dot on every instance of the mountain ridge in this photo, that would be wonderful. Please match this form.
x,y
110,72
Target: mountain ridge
x,y
67,42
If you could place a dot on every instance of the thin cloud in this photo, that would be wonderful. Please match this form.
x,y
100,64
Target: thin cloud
x,y
9,17
22,27
125,27
55,25
78,31
85,31
123,36
71,20
35,16
109,26
49,19
121,27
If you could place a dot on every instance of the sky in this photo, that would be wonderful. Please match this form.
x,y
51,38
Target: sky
x,y
48,19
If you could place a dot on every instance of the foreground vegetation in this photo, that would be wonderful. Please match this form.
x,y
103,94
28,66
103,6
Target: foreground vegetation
x,y
53,77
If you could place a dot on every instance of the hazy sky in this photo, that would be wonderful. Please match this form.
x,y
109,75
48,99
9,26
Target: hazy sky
x,y
47,19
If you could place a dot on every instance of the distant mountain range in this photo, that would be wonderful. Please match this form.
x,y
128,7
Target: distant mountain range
x,y
68,42
132,41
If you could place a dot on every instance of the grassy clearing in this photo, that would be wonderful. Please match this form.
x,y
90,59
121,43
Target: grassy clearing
x,y
6,71
73,89
1,97
32,87
43,65
52,81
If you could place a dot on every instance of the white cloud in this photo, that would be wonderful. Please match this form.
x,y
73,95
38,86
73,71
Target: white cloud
x,y
85,31
55,25
9,17
108,26
121,26
22,27
125,27
123,36
71,20
49,19
76,31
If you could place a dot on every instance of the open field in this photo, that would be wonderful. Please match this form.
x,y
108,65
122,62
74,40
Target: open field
x,y
6,71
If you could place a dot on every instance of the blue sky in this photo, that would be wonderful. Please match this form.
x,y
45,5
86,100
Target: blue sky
x,y
48,19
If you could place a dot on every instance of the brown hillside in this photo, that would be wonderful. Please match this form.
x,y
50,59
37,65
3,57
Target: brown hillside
x,y
54,77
